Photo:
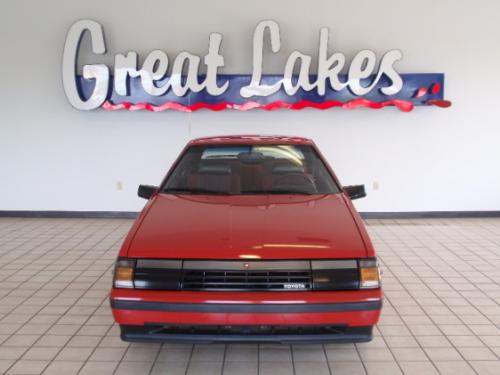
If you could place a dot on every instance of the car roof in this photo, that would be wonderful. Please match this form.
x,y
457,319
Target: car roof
x,y
252,139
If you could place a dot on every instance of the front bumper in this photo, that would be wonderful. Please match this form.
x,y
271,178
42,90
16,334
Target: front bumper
x,y
246,334
342,316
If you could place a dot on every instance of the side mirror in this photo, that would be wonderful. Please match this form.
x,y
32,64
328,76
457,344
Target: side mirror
x,y
355,191
146,191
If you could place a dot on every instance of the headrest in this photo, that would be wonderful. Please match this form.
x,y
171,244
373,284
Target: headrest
x,y
251,157
288,168
215,168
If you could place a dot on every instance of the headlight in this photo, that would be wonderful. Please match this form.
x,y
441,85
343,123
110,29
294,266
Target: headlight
x,y
348,274
369,274
335,274
123,276
158,274
153,274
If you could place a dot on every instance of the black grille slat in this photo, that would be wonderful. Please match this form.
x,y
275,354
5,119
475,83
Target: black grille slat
x,y
246,280
240,283
256,278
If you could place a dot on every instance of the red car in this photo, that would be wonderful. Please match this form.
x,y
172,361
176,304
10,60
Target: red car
x,y
248,239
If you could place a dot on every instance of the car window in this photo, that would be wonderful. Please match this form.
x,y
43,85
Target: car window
x,y
250,169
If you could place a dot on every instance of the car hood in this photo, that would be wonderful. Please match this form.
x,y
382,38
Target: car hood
x,y
248,227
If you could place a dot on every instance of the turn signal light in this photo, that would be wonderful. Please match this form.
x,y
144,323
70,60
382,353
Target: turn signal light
x,y
369,274
123,276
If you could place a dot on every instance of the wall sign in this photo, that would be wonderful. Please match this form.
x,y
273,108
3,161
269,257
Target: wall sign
x,y
155,86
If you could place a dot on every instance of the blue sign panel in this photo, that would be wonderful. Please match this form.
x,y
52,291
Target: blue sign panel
x,y
417,90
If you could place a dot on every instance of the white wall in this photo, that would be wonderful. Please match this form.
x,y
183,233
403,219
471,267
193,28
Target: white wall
x,y
53,157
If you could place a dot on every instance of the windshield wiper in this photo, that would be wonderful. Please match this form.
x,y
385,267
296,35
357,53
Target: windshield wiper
x,y
276,192
195,191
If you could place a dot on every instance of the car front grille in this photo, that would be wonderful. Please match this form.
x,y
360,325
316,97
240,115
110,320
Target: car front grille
x,y
235,275
258,280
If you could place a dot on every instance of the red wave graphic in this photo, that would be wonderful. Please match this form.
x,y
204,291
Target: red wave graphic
x,y
403,105
435,88
439,103
421,92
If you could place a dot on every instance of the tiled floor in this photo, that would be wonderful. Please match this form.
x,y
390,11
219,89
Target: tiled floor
x,y
441,315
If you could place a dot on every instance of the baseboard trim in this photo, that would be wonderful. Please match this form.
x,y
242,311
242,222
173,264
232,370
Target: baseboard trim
x,y
71,214
364,215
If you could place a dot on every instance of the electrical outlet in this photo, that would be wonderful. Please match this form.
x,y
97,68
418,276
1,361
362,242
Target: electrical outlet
x,y
375,185
119,185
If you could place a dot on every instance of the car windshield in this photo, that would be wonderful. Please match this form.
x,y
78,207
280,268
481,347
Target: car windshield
x,y
250,169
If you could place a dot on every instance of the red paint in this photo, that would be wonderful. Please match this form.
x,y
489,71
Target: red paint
x,y
439,103
435,88
354,318
247,297
403,105
229,226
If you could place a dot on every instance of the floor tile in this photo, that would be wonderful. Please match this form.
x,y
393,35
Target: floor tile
x,y
21,340
63,368
441,313
11,352
486,367
147,354
478,354
207,353
443,354
245,353
41,353
25,367
310,353
74,354
454,367
174,354
133,368
347,368
401,342
275,353
108,354
276,368
170,368
409,354
240,368
382,368
307,368
375,354
98,368
204,368
418,368
334,354
53,341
